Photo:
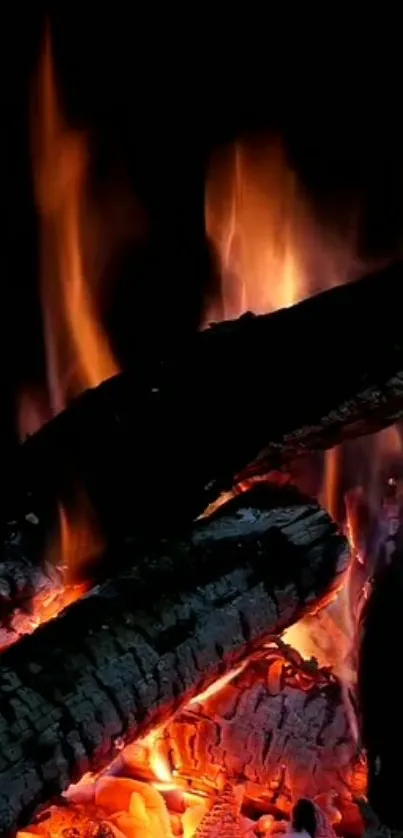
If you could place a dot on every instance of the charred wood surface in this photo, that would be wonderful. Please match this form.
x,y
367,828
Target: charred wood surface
x,y
379,693
133,651
306,377
25,575
20,579
280,728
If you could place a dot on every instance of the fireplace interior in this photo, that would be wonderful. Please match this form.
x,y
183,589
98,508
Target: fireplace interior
x,y
201,562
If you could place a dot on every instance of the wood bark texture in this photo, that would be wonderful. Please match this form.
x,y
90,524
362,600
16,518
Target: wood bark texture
x,y
132,652
154,449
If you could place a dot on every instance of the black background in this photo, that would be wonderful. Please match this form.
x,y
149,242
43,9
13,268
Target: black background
x,y
158,91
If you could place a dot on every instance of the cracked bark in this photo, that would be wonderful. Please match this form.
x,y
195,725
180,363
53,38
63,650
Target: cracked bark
x,y
128,655
182,430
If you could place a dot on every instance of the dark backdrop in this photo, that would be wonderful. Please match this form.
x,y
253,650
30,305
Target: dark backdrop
x,y
158,93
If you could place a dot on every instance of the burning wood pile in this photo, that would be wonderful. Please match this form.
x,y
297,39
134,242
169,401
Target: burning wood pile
x,y
150,690
144,652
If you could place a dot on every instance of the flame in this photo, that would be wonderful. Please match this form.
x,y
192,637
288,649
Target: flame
x,y
32,412
331,481
270,251
77,350
76,540
78,354
158,762
331,635
271,256
218,685
79,539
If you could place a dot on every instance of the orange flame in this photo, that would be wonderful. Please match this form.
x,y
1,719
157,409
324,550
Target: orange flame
x,y
78,353
76,542
331,481
258,221
79,536
272,253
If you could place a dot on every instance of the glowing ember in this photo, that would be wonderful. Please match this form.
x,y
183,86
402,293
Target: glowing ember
x,y
208,801
43,607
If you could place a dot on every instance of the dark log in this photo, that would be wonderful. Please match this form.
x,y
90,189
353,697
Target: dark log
x,y
35,582
379,692
31,594
306,377
125,657
280,728
24,587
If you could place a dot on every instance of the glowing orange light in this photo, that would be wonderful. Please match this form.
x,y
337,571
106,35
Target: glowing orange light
x,y
77,350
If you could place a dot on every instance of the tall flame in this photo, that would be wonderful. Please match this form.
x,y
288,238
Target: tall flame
x,y
78,354
77,350
266,238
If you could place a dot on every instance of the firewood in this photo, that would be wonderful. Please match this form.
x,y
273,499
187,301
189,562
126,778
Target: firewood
x,y
380,705
122,659
23,565
32,587
153,449
280,728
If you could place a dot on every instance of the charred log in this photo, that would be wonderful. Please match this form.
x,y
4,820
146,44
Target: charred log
x,y
21,579
280,729
25,576
33,588
380,705
20,570
181,431
122,659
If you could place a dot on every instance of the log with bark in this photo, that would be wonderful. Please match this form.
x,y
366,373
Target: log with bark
x,y
153,449
281,728
122,659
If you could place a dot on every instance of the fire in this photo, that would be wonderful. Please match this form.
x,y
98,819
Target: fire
x,y
157,761
77,350
78,355
75,541
370,514
79,539
271,256
270,250
253,223
331,481
272,253
142,794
